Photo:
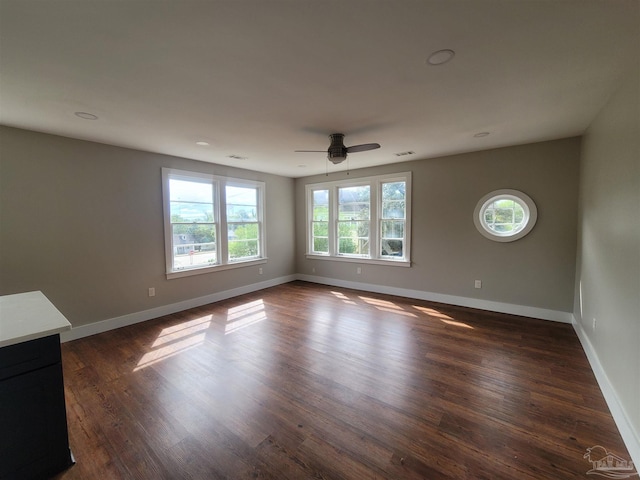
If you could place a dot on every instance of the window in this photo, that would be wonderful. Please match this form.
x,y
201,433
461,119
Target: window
x,y
364,219
505,215
393,219
193,225
243,227
320,221
197,208
353,220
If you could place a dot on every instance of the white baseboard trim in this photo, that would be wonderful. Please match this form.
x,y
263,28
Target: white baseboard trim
x,y
521,310
629,434
143,316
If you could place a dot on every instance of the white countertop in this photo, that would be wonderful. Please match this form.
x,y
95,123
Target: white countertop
x,y
27,316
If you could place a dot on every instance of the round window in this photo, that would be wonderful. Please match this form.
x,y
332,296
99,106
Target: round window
x,y
505,215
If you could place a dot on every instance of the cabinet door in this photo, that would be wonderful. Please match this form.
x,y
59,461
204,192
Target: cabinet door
x,y
34,442
28,356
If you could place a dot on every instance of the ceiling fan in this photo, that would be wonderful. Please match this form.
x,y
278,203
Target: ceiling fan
x,y
337,152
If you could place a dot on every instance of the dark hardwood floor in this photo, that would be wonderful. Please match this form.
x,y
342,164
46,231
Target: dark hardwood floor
x,y
306,381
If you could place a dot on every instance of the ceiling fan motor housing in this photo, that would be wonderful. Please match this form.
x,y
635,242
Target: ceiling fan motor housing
x,y
337,152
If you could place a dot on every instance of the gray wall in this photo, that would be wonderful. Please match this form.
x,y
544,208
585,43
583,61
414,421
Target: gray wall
x,y
448,253
83,222
608,274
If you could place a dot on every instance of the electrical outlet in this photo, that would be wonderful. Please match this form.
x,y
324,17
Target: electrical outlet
x,y
313,270
152,292
260,271
594,323
359,270
478,284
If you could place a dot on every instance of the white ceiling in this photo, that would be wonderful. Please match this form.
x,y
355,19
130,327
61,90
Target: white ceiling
x,y
262,78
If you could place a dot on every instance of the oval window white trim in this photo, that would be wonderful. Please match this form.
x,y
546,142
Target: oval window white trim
x,y
522,199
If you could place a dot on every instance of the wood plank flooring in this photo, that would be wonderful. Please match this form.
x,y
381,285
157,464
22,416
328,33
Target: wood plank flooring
x,y
307,381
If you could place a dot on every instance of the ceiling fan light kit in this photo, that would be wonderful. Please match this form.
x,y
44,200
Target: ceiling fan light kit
x,y
337,152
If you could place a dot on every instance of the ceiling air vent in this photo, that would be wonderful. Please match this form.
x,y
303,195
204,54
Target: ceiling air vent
x,y
402,154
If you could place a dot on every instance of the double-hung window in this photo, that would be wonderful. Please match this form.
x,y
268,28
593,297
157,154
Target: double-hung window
x,y
393,218
354,209
243,222
320,221
365,219
211,222
193,222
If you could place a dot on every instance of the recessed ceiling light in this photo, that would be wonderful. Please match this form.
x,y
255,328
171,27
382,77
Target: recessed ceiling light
x,y
202,144
86,116
440,57
481,134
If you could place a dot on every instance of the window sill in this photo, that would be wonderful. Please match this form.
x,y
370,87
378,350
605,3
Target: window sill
x,y
370,261
215,268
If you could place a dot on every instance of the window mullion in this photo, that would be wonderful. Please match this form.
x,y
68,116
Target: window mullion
x,y
333,219
310,206
216,217
222,211
262,240
374,219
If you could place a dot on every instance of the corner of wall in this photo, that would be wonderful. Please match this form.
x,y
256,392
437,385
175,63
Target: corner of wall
x,y
630,435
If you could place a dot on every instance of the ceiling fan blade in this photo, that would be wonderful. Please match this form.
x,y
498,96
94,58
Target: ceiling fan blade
x,y
311,151
363,148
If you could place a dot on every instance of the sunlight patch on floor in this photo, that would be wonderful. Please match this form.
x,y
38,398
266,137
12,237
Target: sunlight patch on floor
x,y
244,315
456,324
442,317
343,297
174,340
171,334
387,306
432,312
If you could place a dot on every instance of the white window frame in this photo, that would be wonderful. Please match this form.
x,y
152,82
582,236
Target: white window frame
x,y
336,220
234,182
310,233
525,201
375,220
219,184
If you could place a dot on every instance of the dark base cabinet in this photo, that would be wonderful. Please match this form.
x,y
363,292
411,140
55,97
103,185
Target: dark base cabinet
x,y
34,443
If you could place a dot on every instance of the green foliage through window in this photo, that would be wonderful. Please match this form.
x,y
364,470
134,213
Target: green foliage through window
x,y
365,218
194,219
504,215
243,241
